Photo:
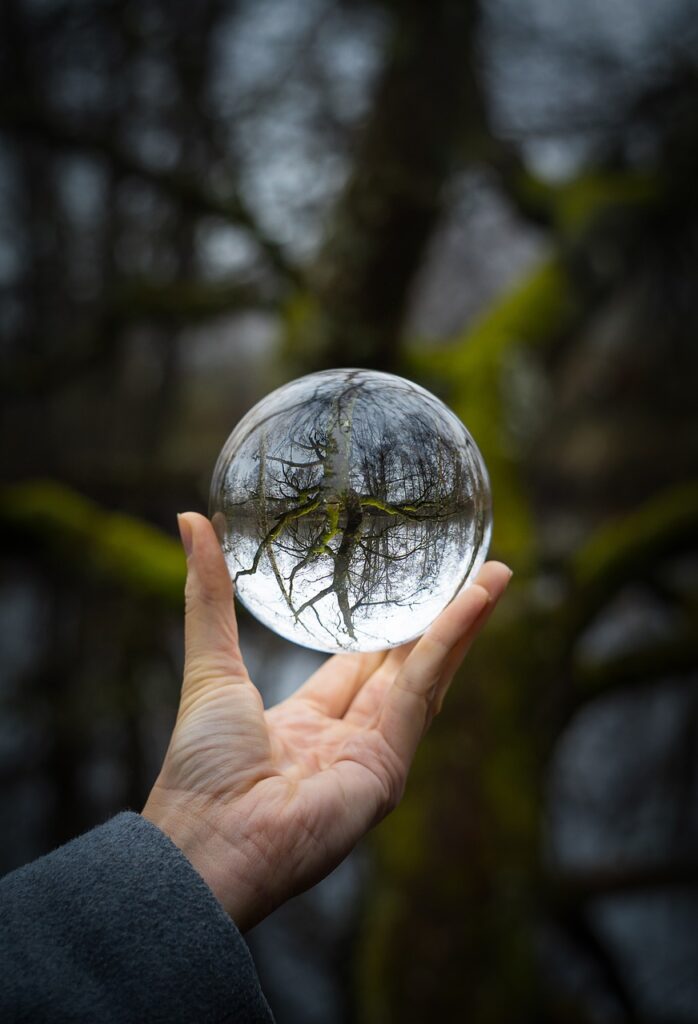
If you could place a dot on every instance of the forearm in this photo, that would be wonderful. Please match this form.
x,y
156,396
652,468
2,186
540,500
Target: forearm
x,y
118,925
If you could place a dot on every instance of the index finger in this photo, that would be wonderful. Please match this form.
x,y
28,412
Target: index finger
x,y
407,704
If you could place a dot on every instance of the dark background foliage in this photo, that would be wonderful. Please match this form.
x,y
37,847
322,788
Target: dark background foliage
x,y
199,201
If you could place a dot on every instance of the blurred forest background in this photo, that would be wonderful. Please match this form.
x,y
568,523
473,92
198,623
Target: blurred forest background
x,y
498,199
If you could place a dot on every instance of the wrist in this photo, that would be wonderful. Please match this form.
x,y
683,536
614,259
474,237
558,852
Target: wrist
x,y
222,864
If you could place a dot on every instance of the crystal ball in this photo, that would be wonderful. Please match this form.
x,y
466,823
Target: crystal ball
x,y
351,506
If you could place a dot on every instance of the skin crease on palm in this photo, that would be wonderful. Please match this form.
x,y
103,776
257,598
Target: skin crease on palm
x,y
266,803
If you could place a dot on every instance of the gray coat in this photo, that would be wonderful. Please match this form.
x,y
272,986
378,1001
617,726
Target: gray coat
x,y
117,926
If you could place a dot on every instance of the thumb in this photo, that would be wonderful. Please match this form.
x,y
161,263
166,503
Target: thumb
x,y
210,627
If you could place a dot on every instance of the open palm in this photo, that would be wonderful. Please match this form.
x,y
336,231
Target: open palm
x,y
265,803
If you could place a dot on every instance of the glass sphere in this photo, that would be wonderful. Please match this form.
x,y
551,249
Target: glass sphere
x,y
351,507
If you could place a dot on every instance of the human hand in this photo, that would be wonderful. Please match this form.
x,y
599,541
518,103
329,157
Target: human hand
x,y
265,803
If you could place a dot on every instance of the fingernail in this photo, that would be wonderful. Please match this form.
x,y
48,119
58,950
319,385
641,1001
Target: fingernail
x,y
186,534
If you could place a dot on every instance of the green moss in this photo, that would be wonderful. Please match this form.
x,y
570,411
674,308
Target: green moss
x,y
140,557
578,204
532,315
544,307
116,547
574,206
638,538
531,312
332,528
48,510
391,510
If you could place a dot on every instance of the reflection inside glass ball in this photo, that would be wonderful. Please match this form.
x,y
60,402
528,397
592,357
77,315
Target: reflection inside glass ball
x,y
351,506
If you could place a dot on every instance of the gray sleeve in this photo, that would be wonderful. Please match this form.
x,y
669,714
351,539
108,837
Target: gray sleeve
x,y
117,926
